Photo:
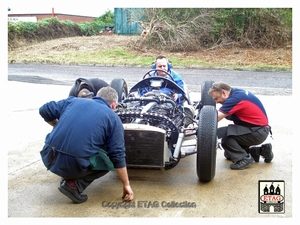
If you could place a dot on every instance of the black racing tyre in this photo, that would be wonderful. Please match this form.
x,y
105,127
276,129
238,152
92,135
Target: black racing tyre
x,y
120,86
207,143
206,98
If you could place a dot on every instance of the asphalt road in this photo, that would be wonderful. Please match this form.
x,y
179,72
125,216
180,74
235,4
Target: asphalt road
x,y
261,83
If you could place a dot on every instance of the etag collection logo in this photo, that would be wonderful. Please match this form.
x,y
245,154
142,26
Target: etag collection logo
x,y
271,197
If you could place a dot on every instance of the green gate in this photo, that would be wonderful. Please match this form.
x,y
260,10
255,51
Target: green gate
x,y
127,20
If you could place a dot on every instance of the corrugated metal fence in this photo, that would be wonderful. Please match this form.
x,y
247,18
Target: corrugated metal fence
x,y
127,20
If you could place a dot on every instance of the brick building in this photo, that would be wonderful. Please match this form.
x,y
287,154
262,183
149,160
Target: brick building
x,y
37,17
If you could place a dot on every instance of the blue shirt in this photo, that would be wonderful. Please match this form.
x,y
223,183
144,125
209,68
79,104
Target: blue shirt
x,y
177,79
85,126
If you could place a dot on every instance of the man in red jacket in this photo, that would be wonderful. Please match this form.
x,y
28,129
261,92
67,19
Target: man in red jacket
x,y
250,125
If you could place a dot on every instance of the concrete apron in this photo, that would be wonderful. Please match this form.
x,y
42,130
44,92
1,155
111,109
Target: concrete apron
x,y
32,190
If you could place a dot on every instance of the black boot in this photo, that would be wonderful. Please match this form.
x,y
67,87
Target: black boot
x,y
255,152
266,152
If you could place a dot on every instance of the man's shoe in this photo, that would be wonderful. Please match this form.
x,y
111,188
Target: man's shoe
x,y
255,153
72,193
266,152
243,163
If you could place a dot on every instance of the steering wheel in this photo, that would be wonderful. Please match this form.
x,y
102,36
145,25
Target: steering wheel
x,y
167,73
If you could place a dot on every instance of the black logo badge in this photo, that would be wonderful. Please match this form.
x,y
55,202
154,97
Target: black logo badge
x,y
271,196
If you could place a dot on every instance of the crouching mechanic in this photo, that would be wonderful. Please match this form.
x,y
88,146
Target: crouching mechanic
x,y
87,88
251,125
86,142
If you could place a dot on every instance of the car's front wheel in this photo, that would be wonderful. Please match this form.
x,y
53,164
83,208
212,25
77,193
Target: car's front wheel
x,y
207,143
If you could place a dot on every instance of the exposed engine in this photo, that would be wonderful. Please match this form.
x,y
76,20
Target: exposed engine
x,y
154,108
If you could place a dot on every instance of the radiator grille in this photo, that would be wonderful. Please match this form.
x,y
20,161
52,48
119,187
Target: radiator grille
x,y
144,148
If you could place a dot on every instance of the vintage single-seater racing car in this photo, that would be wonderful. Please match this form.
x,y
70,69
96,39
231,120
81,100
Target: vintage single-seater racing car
x,y
159,132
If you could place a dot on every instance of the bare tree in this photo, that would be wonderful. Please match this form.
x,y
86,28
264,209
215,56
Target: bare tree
x,y
175,29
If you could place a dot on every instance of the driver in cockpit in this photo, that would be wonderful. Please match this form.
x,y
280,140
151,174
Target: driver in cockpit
x,y
162,63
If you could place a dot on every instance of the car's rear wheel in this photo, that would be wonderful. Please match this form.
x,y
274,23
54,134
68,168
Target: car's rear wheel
x,y
206,98
207,143
120,86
